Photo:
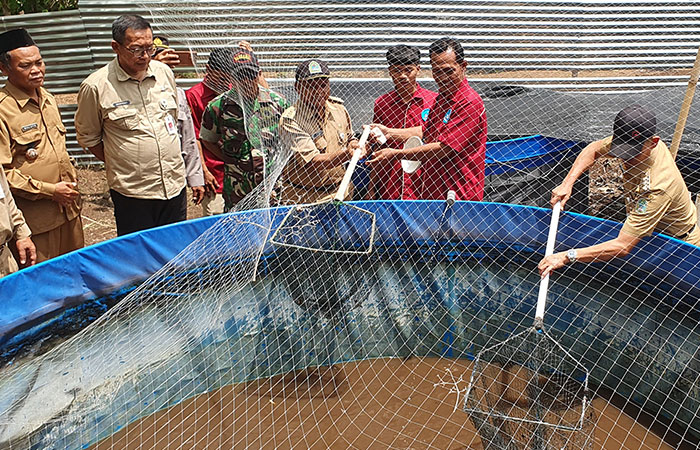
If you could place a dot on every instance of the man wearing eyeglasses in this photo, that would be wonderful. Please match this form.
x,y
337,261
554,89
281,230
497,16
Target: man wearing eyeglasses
x,y
127,117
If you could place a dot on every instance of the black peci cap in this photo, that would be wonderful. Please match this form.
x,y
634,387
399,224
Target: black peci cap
x,y
632,127
13,39
312,69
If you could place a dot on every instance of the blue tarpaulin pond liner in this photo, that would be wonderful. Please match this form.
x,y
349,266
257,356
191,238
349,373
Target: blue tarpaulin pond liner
x,y
525,170
439,283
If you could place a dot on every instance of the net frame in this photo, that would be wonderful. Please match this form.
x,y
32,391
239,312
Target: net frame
x,y
492,413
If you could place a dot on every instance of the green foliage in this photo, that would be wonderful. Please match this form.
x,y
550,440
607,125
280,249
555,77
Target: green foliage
x,y
10,7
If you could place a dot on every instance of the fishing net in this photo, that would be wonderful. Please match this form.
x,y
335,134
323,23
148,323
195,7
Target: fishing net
x,y
529,392
293,325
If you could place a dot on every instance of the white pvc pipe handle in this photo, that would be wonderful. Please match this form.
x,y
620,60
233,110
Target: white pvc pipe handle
x,y
342,190
544,282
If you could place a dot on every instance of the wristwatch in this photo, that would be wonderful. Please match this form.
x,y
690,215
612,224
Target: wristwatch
x,y
571,255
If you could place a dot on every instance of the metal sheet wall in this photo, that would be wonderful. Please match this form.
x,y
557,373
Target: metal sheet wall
x,y
506,36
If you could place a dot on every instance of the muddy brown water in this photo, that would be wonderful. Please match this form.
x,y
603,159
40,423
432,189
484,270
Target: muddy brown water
x,y
375,404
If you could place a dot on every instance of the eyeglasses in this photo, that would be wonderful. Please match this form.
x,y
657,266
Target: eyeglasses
x,y
140,51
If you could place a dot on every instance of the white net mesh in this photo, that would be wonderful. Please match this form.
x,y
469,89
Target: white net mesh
x,y
245,341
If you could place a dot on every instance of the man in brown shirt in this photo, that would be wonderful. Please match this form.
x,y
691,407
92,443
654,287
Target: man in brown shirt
x,y
318,132
657,198
33,150
127,117
13,227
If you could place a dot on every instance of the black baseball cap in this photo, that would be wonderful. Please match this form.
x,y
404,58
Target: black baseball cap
x,y
312,69
244,64
631,129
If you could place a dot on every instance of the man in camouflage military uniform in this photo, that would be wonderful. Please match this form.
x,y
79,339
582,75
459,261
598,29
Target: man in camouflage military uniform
x,y
318,132
248,152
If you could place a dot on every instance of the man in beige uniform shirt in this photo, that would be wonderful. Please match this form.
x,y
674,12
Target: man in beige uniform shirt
x,y
127,117
656,195
318,131
13,228
33,150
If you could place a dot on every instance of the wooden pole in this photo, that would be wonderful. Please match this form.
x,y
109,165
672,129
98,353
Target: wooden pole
x,y
685,107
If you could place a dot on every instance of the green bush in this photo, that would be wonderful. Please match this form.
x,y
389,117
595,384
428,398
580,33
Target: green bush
x,y
10,7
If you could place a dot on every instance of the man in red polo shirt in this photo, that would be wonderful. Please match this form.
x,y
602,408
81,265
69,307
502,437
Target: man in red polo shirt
x,y
216,80
407,106
454,152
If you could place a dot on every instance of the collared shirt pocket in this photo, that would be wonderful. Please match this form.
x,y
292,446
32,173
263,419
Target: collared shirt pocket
x,y
60,131
27,144
320,142
123,117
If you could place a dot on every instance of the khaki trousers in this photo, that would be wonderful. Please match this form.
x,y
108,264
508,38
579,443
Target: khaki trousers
x,y
213,205
56,242
8,264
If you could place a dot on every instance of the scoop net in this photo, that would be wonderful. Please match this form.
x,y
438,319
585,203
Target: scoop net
x,y
317,227
324,227
529,392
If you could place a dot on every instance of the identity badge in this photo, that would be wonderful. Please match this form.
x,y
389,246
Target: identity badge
x,y
2,193
31,126
122,103
447,116
170,124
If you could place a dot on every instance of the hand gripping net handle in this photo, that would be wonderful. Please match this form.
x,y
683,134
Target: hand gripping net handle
x,y
544,282
342,190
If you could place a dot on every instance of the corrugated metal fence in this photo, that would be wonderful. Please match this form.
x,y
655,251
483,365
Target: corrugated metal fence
x,y
558,44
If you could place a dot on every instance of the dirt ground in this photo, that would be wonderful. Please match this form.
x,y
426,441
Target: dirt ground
x,y
606,193
98,211
606,199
